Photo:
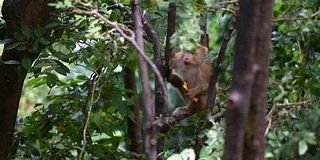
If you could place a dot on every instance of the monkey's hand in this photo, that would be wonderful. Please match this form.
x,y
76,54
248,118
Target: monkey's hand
x,y
194,93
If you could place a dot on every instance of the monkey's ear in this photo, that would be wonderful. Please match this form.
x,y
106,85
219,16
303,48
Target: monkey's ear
x,y
172,53
202,50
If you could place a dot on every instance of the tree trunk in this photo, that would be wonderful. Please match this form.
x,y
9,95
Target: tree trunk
x,y
248,93
171,22
256,125
134,127
34,14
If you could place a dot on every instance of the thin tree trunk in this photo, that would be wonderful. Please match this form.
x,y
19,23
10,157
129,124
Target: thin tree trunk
x,y
134,127
32,13
171,22
171,28
212,98
243,78
254,139
248,96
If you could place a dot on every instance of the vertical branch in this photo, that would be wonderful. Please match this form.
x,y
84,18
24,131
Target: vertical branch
x,y
171,28
254,138
134,127
243,79
212,89
171,23
212,99
161,96
150,140
204,40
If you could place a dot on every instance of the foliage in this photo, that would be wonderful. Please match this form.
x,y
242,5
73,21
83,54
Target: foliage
x,y
294,77
82,66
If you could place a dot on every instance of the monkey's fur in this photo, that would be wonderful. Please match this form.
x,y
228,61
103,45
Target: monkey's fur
x,y
195,71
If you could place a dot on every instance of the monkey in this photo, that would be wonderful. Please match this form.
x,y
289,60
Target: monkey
x,y
190,75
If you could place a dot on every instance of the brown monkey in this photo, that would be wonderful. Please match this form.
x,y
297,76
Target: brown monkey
x,y
190,74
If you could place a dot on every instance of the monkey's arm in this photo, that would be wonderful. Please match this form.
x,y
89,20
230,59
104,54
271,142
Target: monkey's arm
x,y
176,82
197,91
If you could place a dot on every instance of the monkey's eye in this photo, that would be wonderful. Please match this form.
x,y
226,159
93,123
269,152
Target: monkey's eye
x,y
188,51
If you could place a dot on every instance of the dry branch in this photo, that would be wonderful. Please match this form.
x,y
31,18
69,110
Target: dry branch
x,y
276,105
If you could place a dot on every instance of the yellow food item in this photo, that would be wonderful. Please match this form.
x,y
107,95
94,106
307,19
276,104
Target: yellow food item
x,y
185,86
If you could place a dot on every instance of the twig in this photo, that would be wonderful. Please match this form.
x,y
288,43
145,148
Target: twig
x,y
276,105
92,101
296,18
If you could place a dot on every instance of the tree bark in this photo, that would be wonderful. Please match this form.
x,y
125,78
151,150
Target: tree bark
x,y
134,127
171,28
256,125
34,14
247,100
204,38
243,78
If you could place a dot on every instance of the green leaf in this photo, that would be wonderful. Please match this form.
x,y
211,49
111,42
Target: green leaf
x,y
303,147
26,63
61,56
61,71
52,25
51,80
15,45
43,63
21,48
35,46
38,32
61,65
33,82
60,47
43,40
25,30
35,152
19,36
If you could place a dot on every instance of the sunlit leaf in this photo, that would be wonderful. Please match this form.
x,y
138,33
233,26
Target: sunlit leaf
x,y
303,147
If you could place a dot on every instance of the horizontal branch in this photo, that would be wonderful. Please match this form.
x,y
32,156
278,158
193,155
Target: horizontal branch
x,y
173,120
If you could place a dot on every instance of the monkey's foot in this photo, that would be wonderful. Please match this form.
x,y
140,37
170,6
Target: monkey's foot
x,y
181,111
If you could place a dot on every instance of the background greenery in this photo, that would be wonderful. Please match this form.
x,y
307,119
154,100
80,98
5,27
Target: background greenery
x,y
60,83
